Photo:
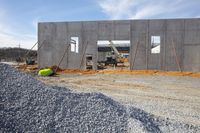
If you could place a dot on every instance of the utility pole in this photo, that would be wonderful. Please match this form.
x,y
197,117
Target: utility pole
x,y
19,48
19,51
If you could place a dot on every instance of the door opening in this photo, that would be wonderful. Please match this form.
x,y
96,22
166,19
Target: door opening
x,y
113,54
89,62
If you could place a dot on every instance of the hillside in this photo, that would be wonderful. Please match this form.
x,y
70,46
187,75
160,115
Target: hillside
x,y
16,54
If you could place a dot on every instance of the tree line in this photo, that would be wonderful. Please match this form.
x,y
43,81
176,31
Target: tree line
x,y
16,54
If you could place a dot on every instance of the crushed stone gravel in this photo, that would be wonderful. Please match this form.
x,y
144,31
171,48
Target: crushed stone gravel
x,y
28,105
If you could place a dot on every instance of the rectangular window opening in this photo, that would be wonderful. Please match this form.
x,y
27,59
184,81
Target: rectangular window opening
x,y
74,43
155,44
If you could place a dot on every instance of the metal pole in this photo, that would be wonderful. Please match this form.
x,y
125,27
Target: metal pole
x,y
62,58
177,60
41,45
135,54
31,49
83,55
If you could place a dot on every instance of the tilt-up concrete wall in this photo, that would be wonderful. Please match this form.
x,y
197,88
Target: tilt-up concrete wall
x,y
54,40
179,42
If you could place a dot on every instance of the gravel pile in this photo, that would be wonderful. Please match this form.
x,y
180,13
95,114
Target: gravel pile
x,y
28,105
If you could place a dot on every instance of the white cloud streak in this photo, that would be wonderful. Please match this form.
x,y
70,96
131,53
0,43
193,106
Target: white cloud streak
x,y
142,9
10,38
115,8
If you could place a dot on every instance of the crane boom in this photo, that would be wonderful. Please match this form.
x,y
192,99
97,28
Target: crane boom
x,y
111,44
116,58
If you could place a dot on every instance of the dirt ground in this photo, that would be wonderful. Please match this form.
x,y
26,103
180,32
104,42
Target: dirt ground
x,y
173,97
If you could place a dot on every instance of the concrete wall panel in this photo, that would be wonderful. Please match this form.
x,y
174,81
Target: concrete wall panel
x,y
139,37
90,37
75,30
174,44
106,30
156,28
191,58
122,30
46,37
60,41
192,32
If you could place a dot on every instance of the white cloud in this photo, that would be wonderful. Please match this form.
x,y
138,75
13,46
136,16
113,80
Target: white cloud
x,y
139,9
116,8
10,38
146,12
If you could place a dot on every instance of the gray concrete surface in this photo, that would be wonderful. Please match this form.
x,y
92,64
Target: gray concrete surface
x,y
179,37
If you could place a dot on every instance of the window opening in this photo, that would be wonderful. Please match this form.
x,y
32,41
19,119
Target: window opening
x,y
155,44
74,43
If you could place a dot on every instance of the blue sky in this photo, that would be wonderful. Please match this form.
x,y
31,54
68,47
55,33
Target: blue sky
x,y
19,18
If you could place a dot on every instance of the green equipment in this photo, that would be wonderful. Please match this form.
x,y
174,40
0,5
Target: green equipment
x,y
46,72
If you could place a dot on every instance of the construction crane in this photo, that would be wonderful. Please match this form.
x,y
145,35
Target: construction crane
x,y
115,56
116,52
